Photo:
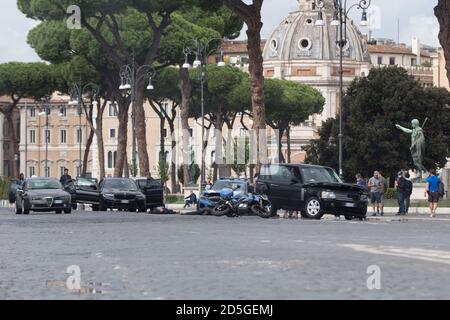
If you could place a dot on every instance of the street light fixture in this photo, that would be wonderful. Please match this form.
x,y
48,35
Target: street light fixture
x,y
131,76
202,52
340,17
44,112
77,99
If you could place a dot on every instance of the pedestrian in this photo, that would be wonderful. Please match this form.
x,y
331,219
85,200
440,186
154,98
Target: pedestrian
x,y
65,178
376,188
21,179
384,184
432,191
408,191
401,192
360,181
208,185
190,200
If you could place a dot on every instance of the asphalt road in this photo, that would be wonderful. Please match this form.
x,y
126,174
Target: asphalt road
x,y
143,256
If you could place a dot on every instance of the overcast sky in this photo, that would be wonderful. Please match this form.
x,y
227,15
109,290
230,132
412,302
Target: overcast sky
x,y
416,19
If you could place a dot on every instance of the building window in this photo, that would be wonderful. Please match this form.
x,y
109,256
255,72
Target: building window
x,y
63,112
32,171
78,171
47,172
63,136
165,106
112,110
33,112
79,135
165,133
392,61
380,60
32,136
61,170
112,134
5,147
47,136
112,159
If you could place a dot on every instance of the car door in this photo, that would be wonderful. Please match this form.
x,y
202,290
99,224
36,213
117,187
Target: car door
x,y
87,193
283,187
295,190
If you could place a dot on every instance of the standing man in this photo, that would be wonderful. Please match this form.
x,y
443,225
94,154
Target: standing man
x,y
376,188
432,191
208,185
65,177
401,192
384,184
408,191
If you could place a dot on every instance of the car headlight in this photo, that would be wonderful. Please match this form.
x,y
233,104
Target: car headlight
x,y
364,198
36,198
328,195
109,195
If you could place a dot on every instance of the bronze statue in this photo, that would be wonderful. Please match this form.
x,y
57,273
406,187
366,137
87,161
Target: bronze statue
x,y
417,144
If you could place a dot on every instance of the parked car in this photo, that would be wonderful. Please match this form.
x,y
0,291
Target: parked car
x,y
153,191
42,195
312,190
210,198
81,190
112,193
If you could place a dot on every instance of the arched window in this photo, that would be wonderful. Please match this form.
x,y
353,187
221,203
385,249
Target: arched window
x,y
110,160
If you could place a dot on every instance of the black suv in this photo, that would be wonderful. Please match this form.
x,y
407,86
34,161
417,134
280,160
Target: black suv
x,y
312,190
153,191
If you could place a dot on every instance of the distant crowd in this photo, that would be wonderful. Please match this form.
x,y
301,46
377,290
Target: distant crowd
x,y
378,185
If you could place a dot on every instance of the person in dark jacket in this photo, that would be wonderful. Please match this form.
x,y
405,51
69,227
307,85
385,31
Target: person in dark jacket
x,y
400,186
65,177
408,191
190,200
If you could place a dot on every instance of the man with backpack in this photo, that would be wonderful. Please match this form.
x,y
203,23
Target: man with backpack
x,y
401,192
408,186
434,191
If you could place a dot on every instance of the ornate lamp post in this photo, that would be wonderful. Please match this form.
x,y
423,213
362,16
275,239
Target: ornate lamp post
x,y
131,76
340,18
76,99
202,51
45,110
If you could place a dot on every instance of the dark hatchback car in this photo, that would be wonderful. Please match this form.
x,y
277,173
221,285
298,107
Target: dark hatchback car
x,y
312,190
111,193
153,191
42,195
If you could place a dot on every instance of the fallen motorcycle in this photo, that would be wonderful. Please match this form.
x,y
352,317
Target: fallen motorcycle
x,y
233,206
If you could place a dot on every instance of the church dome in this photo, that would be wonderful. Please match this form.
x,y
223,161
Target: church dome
x,y
298,37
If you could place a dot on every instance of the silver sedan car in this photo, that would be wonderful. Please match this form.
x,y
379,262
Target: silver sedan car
x,y
42,195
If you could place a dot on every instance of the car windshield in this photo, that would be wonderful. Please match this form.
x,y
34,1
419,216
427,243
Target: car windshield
x,y
318,174
83,182
234,185
149,183
120,184
43,184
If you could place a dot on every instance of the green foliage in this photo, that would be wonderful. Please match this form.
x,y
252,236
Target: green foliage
x,y
163,171
194,173
290,103
4,188
390,193
372,107
31,80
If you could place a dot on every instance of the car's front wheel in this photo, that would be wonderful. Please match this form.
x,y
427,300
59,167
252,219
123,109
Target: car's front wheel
x,y
313,209
68,211
58,211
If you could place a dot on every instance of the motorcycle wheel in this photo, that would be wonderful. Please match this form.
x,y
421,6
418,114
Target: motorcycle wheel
x,y
221,210
260,211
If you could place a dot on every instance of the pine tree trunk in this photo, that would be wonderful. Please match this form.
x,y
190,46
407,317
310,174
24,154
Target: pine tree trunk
x,y
100,143
173,168
288,136
9,118
442,12
162,151
185,97
86,152
122,135
144,164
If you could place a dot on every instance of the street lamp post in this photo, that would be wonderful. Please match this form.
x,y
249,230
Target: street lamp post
x,y
45,111
201,56
340,17
76,99
131,75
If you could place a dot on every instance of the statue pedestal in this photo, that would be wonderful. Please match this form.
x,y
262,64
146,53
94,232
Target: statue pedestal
x,y
419,191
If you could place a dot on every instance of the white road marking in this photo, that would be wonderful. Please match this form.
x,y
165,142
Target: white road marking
x,y
265,241
438,256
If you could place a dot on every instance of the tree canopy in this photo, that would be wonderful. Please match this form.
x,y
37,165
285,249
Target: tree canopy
x,y
372,107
